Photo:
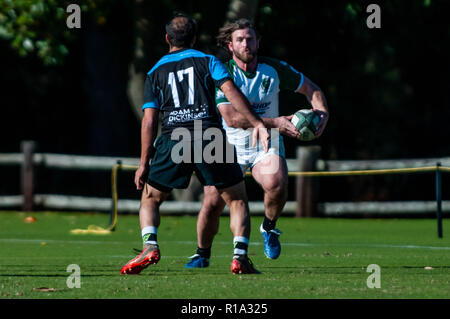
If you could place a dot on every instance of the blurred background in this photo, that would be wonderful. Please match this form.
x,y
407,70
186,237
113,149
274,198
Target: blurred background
x,y
79,91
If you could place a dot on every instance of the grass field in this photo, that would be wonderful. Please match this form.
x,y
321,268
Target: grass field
x,y
321,258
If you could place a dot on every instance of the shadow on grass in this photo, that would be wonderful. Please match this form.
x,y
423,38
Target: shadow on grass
x,y
182,272
52,275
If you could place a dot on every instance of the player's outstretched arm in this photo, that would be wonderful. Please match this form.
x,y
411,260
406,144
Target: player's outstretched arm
x,y
318,101
240,103
149,130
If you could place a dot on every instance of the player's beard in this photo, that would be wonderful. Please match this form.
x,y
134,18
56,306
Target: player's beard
x,y
246,57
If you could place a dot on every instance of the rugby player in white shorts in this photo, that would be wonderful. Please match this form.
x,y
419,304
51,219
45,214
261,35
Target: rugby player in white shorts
x,y
260,79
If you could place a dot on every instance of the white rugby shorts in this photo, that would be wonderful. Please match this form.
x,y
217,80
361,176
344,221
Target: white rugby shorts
x,y
248,156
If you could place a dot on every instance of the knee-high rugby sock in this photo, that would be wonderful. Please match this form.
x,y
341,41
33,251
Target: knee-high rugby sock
x,y
149,235
240,245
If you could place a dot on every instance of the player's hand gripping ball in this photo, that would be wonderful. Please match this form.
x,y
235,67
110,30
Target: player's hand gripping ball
x,y
306,121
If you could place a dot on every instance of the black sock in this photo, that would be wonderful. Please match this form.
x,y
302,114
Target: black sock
x,y
204,252
268,224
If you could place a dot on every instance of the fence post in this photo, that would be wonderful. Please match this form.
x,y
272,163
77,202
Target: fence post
x,y
115,195
439,200
27,174
307,187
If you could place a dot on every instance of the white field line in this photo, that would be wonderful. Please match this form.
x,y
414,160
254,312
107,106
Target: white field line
x,y
162,242
131,255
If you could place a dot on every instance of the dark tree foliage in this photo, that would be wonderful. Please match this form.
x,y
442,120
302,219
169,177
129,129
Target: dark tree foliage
x,y
387,88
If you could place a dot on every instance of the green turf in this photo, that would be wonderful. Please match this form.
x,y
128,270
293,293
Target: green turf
x,y
321,258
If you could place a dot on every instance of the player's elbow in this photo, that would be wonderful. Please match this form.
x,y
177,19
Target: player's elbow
x,y
231,123
229,115
236,123
242,124
148,123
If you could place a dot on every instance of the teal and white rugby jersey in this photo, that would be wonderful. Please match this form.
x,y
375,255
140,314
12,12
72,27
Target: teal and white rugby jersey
x,y
261,89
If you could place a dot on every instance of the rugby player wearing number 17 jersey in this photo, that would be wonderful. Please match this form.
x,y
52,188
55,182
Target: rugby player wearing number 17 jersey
x,y
181,86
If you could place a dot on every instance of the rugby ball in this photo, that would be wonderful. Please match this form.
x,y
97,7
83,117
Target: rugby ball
x,y
305,121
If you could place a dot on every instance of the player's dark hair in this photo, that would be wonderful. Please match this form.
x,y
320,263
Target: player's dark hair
x,y
225,32
181,30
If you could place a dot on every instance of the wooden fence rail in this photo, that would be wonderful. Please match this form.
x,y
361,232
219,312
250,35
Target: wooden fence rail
x,y
306,199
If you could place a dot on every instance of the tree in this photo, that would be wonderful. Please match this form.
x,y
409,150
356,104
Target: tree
x,y
39,27
242,9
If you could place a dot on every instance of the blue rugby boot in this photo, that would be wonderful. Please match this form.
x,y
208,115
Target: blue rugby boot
x,y
272,246
197,261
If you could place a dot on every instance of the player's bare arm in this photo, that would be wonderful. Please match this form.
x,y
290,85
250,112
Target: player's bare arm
x,y
148,133
235,119
238,100
318,101
284,124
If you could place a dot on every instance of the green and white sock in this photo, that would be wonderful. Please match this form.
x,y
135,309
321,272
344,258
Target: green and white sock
x,y
149,235
240,245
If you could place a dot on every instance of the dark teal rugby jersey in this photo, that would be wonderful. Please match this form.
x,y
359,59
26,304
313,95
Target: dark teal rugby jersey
x,y
182,86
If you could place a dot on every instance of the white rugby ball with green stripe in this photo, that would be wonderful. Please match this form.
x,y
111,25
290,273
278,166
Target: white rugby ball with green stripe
x,y
305,121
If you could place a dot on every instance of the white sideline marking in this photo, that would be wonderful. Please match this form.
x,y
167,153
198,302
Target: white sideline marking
x,y
96,242
334,244
169,257
131,255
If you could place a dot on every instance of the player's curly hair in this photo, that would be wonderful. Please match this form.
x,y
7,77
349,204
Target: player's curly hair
x,y
181,30
225,32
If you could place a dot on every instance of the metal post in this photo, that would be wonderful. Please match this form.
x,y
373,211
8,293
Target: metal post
x,y
439,200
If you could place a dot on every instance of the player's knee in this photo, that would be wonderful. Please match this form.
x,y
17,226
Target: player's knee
x,y
213,204
239,205
277,190
212,207
152,201
153,197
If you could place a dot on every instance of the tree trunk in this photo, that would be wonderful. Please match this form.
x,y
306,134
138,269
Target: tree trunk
x,y
136,69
